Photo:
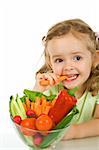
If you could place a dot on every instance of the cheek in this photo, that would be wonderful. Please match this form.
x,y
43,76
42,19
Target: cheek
x,y
57,69
85,68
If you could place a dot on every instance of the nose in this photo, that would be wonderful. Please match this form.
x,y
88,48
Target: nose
x,y
68,66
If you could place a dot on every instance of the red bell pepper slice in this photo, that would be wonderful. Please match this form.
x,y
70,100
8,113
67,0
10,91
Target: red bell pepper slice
x,y
64,103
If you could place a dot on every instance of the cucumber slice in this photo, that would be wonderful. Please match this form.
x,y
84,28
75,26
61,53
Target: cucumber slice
x,y
14,108
19,102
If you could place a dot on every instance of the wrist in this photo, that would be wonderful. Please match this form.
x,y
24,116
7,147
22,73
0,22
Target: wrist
x,y
38,88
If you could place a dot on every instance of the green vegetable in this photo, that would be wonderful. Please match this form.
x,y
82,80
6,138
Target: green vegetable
x,y
61,125
16,107
19,102
72,91
12,107
33,94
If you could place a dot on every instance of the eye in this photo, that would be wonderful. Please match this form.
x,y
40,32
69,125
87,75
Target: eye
x,y
77,58
58,60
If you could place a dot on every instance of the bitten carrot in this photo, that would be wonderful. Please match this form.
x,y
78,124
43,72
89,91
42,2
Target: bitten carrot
x,y
46,82
61,78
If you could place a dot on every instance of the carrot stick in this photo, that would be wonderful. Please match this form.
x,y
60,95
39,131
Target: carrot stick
x,y
61,78
37,107
48,103
38,110
28,103
46,111
53,102
32,105
43,103
45,82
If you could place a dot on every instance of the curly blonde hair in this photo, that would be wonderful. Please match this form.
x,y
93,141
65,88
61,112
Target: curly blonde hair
x,y
80,30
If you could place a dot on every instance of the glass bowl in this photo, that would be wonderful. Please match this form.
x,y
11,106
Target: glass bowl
x,y
40,140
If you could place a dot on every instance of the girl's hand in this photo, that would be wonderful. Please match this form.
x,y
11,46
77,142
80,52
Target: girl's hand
x,y
44,81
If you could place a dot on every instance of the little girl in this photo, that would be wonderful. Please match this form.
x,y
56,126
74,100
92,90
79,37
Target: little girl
x,y
71,50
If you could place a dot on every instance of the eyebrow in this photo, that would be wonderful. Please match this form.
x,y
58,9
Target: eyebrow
x,y
74,53
77,53
54,56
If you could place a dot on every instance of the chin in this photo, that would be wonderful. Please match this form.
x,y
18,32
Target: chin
x,y
69,86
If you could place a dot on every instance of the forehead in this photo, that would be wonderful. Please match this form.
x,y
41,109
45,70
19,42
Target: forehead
x,y
67,43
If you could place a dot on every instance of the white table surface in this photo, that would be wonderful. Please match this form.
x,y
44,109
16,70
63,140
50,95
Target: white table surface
x,y
11,141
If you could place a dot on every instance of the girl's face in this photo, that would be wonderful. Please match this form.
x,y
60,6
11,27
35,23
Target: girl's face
x,y
69,56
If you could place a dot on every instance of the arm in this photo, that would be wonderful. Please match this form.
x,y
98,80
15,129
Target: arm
x,y
86,129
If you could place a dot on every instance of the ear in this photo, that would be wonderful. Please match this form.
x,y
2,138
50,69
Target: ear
x,y
96,59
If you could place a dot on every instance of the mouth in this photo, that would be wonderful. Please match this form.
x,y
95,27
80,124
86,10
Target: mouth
x,y
71,77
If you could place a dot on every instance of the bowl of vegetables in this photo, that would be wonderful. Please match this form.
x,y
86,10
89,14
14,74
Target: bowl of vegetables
x,y
42,120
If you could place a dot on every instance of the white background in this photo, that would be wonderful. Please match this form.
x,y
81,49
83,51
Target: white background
x,y
23,23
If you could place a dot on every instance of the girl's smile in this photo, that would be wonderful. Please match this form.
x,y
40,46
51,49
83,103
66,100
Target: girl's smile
x,y
71,77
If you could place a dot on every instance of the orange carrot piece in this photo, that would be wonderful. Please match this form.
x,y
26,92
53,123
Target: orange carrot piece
x,y
28,103
61,78
37,100
38,110
46,111
44,82
53,102
37,107
43,103
48,103
32,105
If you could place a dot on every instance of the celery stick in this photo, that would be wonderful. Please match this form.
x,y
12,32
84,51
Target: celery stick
x,y
21,106
15,110
12,109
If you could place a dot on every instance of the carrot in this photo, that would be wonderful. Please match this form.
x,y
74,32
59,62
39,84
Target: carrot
x,y
46,111
32,105
28,103
45,82
37,107
61,78
43,103
48,103
38,110
53,102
